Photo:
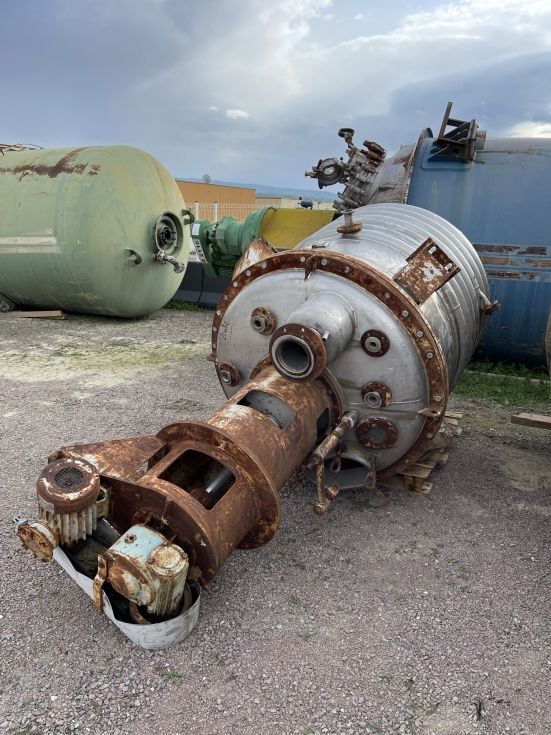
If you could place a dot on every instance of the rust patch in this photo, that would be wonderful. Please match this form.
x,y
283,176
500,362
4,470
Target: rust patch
x,y
263,320
518,249
124,458
496,260
68,486
228,373
512,275
427,270
377,433
65,165
374,343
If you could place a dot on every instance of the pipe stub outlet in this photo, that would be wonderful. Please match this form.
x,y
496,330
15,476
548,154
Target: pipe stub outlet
x,y
298,352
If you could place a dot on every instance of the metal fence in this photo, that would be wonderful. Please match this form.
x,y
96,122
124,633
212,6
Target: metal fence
x,y
216,210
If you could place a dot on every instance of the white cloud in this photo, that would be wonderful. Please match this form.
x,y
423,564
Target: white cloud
x,y
530,129
238,114
294,78
359,16
452,39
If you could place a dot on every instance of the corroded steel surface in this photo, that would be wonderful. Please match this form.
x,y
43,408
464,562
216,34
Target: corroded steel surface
x,y
376,394
375,343
393,297
38,538
228,373
122,458
427,270
260,455
68,486
263,320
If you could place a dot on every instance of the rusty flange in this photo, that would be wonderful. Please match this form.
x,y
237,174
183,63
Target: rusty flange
x,y
377,433
263,320
375,343
39,538
310,347
228,373
376,395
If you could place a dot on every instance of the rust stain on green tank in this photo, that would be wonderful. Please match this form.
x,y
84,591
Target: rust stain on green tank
x,y
63,166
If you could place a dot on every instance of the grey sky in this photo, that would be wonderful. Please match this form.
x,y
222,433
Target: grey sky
x,y
255,90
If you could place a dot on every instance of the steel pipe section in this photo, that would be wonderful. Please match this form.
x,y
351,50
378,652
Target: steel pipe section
x,y
315,335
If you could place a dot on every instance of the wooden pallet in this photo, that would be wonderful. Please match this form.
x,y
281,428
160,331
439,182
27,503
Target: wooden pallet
x,y
55,314
416,478
536,420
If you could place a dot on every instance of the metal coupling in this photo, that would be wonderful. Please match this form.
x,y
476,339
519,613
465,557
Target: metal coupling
x,y
162,258
36,537
349,227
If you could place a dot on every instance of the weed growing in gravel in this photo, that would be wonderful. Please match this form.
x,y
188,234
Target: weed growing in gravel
x,y
432,708
410,725
185,306
170,674
295,600
307,634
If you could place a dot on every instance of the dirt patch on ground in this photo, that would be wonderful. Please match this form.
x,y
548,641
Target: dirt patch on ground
x,y
89,364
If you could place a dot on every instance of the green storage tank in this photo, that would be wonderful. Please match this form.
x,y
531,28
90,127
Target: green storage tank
x,y
99,230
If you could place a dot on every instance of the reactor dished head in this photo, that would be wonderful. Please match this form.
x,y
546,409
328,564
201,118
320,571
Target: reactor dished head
x,y
68,486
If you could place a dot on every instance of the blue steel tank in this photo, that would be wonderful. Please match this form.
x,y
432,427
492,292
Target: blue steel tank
x,y
497,192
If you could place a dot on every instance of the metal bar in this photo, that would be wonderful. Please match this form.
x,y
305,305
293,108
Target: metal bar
x,y
320,454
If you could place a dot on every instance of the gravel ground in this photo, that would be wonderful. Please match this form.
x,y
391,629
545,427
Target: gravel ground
x,y
426,615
